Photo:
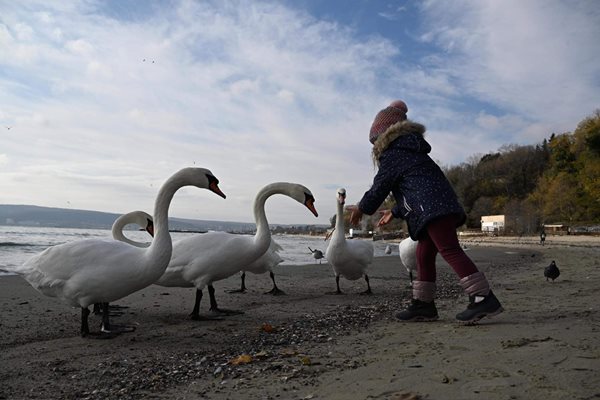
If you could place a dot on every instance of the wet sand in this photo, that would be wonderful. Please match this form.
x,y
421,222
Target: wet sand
x,y
312,345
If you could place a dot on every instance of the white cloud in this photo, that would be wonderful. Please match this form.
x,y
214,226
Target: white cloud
x,y
215,92
103,110
80,47
537,59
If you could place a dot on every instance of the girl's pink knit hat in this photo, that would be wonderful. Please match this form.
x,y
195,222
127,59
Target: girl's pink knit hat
x,y
394,113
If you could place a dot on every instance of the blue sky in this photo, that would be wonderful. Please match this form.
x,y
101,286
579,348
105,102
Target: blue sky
x,y
105,100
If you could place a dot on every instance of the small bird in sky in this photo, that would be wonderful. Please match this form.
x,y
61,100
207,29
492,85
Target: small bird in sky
x,y
551,271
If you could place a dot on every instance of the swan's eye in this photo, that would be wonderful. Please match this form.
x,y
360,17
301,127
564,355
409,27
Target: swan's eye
x,y
212,179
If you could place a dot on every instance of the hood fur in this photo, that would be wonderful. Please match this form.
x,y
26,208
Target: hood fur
x,y
392,133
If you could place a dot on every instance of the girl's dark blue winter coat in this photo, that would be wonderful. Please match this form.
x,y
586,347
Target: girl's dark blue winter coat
x,y
420,188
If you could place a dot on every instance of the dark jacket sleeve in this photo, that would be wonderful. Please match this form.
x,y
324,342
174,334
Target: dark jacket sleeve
x,y
382,185
396,212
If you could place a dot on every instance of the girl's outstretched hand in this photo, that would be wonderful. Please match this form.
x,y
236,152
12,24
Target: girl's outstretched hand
x,y
356,215
386,217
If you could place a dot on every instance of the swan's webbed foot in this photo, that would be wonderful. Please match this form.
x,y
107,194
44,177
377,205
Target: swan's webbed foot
x,y
225,311
198,317
240,290
368,291
276,291
117,329
214,308
101,335
85,328
337,286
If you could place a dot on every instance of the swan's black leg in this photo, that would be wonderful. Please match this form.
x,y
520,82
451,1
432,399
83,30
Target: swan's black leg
x,y
243,288
85,328
275,291
368,291
337,284
115,310
214,308
105,318
112,329
195,315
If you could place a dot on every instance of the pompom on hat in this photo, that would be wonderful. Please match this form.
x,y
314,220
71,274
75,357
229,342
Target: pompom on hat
x,y
392,114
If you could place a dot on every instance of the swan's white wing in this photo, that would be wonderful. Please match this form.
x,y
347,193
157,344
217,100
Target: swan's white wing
x,y
209,257
267,261
87,271
361,251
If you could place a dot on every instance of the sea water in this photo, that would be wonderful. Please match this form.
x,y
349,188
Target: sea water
x,y
17,243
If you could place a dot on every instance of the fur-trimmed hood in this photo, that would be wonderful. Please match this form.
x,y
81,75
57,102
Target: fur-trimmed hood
x,y
397,130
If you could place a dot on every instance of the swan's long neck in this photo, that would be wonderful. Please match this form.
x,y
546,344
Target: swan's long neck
x,y
262,239
161,247
339,234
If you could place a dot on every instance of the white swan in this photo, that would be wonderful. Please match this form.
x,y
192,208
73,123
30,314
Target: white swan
x,y
388,249
265,263
200,260
408,255
349,259
90,271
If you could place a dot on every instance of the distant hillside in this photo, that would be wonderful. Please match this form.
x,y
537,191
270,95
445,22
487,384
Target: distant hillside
x,y
26,215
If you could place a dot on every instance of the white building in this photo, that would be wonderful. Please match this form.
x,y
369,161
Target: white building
x,y
493,223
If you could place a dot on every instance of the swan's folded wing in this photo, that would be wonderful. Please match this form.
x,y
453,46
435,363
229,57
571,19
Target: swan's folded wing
x,y
361,251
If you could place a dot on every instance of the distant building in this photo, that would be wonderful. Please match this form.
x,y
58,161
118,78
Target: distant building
x,y
556,229
493,224
501,224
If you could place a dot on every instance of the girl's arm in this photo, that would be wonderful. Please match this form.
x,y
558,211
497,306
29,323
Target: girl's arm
x,y
376,195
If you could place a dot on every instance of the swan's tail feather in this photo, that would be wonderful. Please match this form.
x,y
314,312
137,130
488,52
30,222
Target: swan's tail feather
x,y
48,286
276,246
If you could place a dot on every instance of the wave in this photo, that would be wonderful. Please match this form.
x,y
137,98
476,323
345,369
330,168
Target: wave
x,y
15,244
5,272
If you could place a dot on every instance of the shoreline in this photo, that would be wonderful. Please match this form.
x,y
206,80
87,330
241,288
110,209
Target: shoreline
x,y
311,345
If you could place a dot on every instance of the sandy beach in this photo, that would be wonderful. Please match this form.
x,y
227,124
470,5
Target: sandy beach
x,y
312,345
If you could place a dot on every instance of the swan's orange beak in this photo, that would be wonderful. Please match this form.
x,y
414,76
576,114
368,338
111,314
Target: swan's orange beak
x,y
310,204
214,187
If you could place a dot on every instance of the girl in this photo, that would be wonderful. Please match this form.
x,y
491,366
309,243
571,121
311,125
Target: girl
x,y
428,203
